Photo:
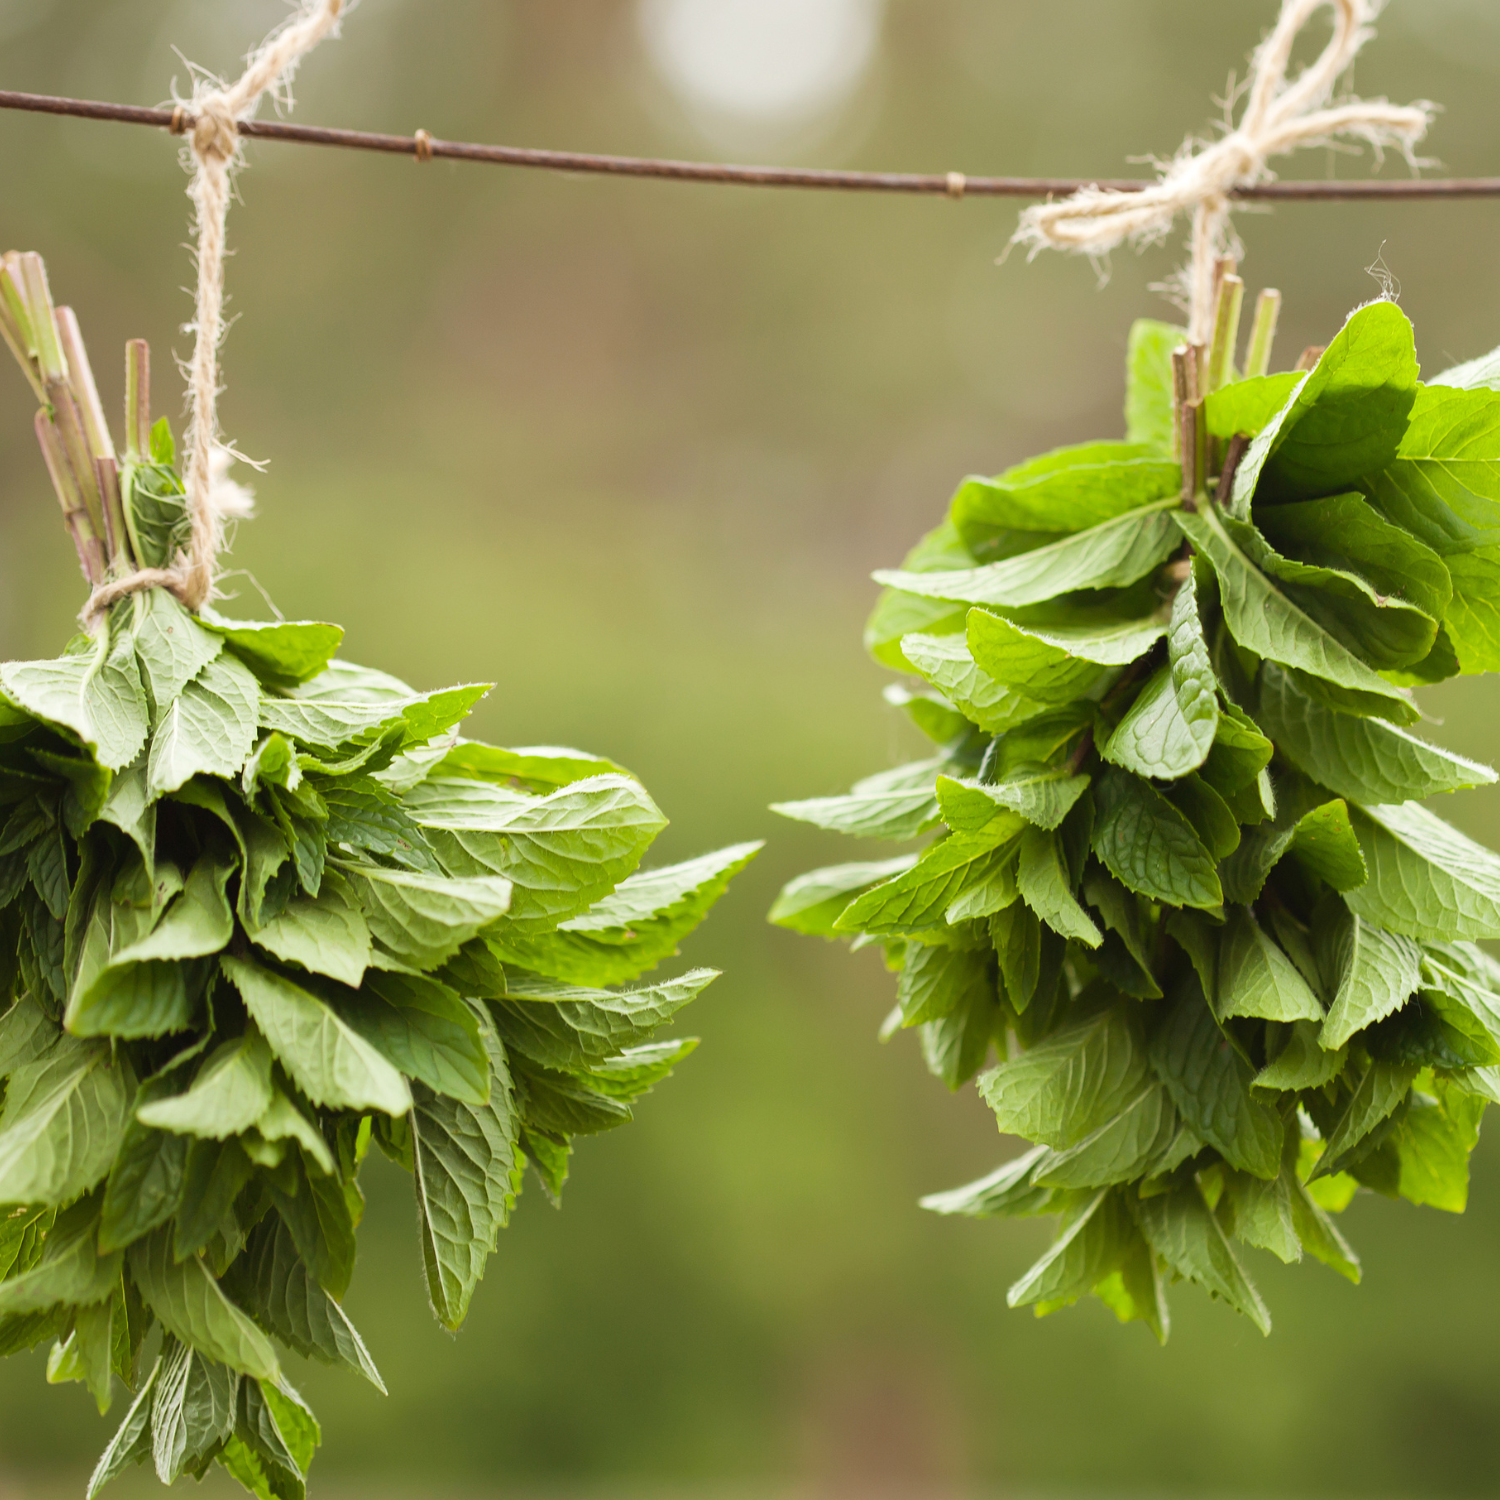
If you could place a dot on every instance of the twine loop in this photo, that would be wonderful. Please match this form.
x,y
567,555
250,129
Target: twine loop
x,y
1281,115
213,150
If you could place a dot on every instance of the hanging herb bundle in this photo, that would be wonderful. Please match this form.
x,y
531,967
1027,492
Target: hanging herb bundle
x,y
1182,879
260,908
1183,882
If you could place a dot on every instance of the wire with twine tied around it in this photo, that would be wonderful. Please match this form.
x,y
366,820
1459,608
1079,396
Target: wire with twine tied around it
x,y
213,150
1281,115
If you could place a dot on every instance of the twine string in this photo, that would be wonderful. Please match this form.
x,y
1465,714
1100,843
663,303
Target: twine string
x,y
1281,115
214,150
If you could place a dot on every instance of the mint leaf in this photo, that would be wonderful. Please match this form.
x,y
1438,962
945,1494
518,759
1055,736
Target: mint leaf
x,y
1148,383
1111,555
1426,879
1149,846
466,1180
1363,759
1264,620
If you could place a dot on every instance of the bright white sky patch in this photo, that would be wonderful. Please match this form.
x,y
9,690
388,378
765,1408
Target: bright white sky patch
x,y
765,61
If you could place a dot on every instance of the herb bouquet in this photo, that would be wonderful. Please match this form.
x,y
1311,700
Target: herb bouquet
x,y
258,909
1182,882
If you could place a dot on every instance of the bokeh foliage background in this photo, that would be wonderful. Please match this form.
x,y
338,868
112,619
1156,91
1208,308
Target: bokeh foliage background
x,y
630,450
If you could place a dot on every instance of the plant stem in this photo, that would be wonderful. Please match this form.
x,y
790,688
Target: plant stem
x,y
107,475
75,512
1263,333
1184,393
137,400
81,383
1226,331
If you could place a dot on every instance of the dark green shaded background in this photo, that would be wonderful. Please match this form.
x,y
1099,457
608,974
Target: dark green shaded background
x,y
631,450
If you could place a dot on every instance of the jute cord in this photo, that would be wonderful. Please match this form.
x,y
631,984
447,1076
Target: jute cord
x,y
1281,115
214,152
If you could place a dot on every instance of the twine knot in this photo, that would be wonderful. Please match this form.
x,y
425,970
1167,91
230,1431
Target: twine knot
x,y
214,151
216,134
1281,115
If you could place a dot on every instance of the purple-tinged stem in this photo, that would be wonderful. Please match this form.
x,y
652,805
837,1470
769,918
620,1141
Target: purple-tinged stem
x,y
137,400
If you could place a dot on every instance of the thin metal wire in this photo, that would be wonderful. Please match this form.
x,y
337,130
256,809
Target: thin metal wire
x,y
952,185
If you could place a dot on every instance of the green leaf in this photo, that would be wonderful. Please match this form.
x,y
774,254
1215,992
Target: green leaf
x,y
1056,663
1043,795
536,767
1302,1062
1180,1229
1046,884
1255,978
283,653
1261,1213
1263,620
1324,841
271,1282
1473,618
897,804
1346,533
145,1182
560,853
1090,1244
466,1181
71,1270
1210,1085
1148,383
1212,818
1320,1237
424,919
99,698
1362,759
916,900
945,661
1155,738
1434,1138
331,1063
1426,879
1444,485
193,1413
329,725
208,729
1346,418
324,935
1382,1088
193,1308
318,1212
1069,1086
937,981
1383,631
1067,490
171,646
1006,1192
1248,406
569,1028
1150,847
131,1444
1120,1150
1111,555
62,1125
813,903
635,927
424,1030
230,1093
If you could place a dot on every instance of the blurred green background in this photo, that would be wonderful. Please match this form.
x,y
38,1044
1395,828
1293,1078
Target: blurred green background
x,y
630,450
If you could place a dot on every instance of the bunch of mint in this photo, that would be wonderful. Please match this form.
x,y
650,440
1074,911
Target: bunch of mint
x,y
1181,881
259,909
